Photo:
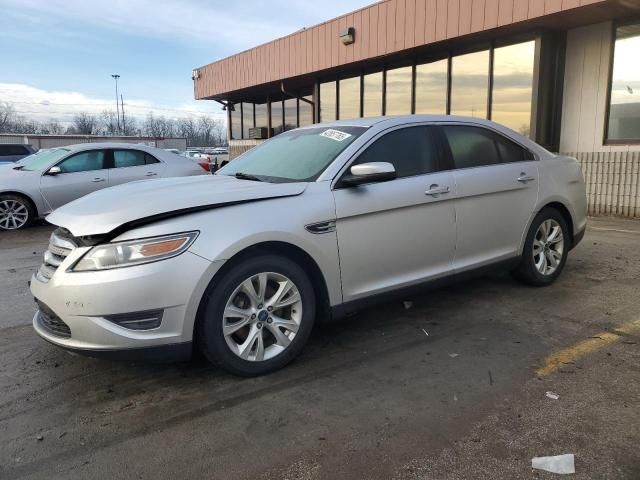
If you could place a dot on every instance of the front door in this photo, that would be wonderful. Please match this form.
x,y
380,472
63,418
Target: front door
x,y
401,232
81,174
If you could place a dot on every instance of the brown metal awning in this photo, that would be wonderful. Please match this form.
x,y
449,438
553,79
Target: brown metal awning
x,y
389,31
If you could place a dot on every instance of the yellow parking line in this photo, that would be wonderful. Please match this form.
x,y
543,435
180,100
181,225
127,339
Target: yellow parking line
x,y
569,355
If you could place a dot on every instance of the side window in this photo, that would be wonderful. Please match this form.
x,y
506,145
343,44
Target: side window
x,y
83,162
510,151
412,151
128,158
477,147
150,159
471,146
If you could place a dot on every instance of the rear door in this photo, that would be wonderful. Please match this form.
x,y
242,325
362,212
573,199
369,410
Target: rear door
x,y
81,173
401,232
497,186
132,164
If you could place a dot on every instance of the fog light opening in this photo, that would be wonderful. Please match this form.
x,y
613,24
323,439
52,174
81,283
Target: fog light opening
x,y
146,320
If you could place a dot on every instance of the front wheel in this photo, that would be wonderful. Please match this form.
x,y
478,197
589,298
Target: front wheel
x,y
258,316
15,212
545,249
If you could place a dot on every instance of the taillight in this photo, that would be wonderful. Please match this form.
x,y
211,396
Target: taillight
x,y
204,165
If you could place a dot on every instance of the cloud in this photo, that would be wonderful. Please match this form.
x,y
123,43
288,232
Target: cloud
x,y
44,105
230,25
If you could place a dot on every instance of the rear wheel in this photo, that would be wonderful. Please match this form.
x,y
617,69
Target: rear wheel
x,y
16,212
545,249
258,316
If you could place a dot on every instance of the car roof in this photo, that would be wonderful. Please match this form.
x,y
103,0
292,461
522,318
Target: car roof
x,y
392,120
79,147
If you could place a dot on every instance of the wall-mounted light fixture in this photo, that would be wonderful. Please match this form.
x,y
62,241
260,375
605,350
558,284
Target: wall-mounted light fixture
x,y
195,74
347,36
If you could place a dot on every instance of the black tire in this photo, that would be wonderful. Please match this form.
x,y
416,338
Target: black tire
x,y
527,272
210,322
23,202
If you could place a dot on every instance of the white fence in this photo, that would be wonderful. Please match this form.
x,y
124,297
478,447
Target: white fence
x,y
613,182
52,141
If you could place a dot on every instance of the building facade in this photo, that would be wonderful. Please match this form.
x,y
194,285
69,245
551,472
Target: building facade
x,y
564,72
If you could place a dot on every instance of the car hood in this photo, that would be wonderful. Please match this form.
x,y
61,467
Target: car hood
x,y
141,202
8,172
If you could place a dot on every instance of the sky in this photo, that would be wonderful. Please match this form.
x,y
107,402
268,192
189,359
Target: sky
x,y
58,55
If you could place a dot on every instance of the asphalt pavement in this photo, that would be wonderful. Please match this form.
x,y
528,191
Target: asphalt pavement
x,y
451,385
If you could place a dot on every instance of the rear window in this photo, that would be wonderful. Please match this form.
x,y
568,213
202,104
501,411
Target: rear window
x,y
8,150
478,147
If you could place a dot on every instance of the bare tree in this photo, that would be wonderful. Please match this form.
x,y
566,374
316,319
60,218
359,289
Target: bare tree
x,y
52,127
84,123
129,126
7,117
109,122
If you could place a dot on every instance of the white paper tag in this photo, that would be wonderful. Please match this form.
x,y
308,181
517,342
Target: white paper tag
x,y
336,135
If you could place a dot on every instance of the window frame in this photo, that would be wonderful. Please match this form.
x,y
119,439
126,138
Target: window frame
x,y
534,155
612,52
107,161
111,159
447,161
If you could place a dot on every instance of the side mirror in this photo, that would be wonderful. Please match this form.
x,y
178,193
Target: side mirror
x,y
53,171
369,173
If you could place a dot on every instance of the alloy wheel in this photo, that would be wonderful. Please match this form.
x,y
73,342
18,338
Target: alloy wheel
x,y
13,214
262,316
548,247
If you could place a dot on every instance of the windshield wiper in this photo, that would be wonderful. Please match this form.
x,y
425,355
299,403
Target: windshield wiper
x,y
19,167
247,176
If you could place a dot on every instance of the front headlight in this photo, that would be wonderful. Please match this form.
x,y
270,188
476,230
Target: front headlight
x,y
134,252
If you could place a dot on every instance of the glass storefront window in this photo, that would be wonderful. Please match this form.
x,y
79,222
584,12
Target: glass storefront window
x,y
513,86
431,88
624,105
349,103
262,115
290,113
305,111
236,122
398,99
247,119
328,109
276,117
470,84
372,95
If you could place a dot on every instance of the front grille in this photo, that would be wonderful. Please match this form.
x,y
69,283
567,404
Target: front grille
x,y
50,322
61,244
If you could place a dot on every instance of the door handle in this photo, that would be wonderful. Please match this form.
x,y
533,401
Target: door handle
x,y
151,174
435,190
98,179
524,178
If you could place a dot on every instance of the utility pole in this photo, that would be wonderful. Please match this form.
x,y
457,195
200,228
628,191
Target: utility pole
x,y
116,77
124,126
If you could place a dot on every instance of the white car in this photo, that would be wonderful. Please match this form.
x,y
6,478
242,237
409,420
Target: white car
x,y
38,184
315,222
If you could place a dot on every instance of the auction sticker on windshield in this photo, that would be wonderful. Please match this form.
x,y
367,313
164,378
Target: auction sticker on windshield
x,y
336,135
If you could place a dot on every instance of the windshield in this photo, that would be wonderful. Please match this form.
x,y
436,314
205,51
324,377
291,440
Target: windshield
x,y
294,156
42,159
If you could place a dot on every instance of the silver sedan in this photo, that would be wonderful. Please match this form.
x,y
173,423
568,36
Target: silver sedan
x,y
314,223
40,183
